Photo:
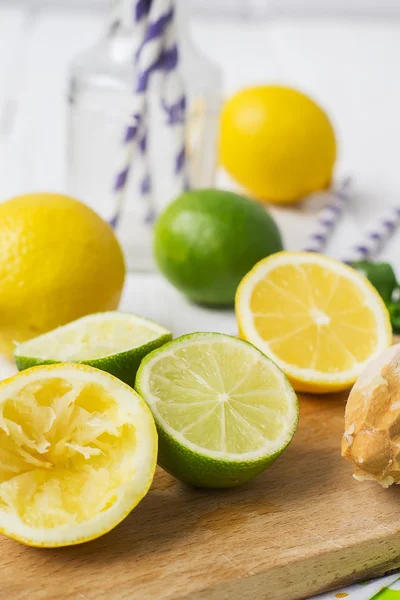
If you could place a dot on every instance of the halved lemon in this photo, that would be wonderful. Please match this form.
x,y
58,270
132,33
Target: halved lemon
x,y
318,319
78,451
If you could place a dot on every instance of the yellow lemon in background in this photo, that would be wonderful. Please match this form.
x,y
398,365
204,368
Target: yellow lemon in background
x,y
277,143
59,261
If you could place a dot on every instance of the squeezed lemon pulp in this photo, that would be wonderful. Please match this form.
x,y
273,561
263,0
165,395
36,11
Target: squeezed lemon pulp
x,y
65,450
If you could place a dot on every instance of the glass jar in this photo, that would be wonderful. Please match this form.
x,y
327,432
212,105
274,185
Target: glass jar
x,y
100,103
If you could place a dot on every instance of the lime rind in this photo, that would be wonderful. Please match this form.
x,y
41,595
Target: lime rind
x,y
199,465
207,240
122,362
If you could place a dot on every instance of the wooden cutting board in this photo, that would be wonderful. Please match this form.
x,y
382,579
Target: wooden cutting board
x,y
303,527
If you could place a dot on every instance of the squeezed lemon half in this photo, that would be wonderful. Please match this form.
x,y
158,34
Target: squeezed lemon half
x,y
78,452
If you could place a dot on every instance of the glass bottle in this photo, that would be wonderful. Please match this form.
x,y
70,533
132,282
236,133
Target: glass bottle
x,y
100,101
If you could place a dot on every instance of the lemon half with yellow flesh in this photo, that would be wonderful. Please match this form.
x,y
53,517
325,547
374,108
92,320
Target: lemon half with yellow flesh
x,y
318,319
78,452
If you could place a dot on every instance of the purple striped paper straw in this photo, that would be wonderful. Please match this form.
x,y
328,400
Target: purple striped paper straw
x,y
154,16
174,104
376,236
329,216
145,185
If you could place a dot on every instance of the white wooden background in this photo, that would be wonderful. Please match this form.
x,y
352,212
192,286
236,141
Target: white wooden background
x,y
350,65
258,8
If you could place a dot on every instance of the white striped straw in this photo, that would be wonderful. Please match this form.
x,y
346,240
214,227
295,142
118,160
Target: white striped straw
x,y
154,19
174,104
329,216
376,236
146,185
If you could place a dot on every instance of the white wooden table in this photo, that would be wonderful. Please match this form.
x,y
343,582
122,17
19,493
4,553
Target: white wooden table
x,y
350,66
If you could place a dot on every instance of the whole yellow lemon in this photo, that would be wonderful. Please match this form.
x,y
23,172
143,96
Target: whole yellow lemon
x,y
277,143
59,261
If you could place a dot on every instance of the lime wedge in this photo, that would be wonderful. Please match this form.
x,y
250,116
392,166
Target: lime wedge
x,y
224,411
115,342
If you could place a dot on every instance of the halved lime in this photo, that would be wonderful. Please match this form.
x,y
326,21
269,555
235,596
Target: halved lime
x,y
224,411
115,342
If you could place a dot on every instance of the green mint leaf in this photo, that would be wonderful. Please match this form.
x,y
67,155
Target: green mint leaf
x,y
394,311
382,277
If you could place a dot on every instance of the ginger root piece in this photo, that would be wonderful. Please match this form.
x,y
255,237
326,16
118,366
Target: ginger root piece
x,y
371,440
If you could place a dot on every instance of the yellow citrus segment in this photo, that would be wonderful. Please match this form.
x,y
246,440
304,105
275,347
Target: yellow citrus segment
x,y
297,349
320,320
77,453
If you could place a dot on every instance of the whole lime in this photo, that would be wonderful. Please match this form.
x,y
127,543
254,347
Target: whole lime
x,y
207,240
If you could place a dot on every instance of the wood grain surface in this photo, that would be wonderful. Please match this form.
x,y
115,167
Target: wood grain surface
x,y
303,527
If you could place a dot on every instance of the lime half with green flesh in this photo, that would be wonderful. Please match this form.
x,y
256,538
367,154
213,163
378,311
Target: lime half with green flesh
x,y
224,411
115,342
